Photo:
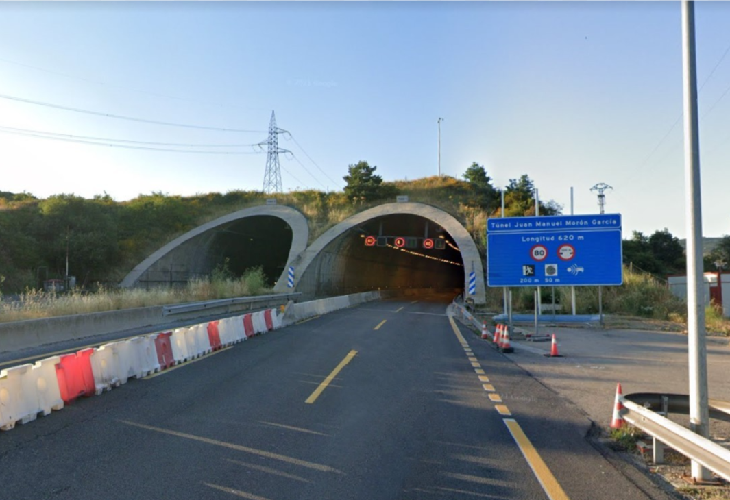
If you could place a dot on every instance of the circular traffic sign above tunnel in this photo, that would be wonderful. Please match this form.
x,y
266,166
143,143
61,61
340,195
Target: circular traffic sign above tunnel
x,y
400,242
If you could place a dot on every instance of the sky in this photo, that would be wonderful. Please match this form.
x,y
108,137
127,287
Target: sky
x,y
569,93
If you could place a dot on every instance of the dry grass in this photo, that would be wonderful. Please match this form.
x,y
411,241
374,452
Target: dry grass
x,y
34,304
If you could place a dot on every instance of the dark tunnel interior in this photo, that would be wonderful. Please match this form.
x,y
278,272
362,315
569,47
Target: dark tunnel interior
x,y
254,241
350,265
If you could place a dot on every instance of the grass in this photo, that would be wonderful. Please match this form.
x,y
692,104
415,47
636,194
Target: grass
x,y
626,437
34,304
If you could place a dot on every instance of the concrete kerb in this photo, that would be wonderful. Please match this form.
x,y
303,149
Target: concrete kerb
x,y
304,310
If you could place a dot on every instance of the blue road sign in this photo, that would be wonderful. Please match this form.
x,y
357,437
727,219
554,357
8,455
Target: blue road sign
x,y
565,250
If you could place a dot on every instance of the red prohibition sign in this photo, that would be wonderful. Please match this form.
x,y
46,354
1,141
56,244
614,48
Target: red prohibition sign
x,y
566,252
370,241
400,242
428,243
539,253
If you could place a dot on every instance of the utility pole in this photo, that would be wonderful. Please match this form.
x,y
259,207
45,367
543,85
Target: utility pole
x,y
601,187
699,413
439,124
272,174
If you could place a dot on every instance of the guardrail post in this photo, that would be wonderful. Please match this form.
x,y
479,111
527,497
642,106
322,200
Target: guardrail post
x,y
657,451
658,446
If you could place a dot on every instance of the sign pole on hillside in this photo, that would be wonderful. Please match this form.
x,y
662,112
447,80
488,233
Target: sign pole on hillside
x,y
698,404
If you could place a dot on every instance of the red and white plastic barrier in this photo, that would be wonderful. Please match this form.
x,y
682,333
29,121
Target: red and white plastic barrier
x,y
75,376
259,323
43,377
248,325
16,405
104,366
214,337
163,348
30,389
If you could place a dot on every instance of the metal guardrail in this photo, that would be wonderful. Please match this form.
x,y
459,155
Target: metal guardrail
x,y
699,449
278,299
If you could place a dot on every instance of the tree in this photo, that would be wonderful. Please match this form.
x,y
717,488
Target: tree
x,y
88,228
362,183
476,175
660,254
483,194
667,251
520,198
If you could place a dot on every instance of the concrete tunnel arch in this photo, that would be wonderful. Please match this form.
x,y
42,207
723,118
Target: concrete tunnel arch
x,y
295,220
309,263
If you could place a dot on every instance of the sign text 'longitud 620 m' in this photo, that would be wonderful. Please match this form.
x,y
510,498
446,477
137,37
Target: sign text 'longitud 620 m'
x,y
564,250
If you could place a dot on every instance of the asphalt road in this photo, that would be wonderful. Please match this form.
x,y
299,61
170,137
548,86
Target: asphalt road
x,y
406,417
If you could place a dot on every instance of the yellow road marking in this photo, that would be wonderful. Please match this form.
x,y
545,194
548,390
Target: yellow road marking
x,y
483,378
488,387
495,398
268,470
399,310
308,319
502,409
311,399
187,363
475,364
479,371
238,493
246,449
548,482
471,358
380,324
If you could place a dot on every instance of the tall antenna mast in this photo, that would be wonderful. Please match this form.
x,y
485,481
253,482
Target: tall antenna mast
x,y
272,175
601,187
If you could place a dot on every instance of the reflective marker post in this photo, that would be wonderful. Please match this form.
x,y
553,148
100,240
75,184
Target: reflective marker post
x,y
698,404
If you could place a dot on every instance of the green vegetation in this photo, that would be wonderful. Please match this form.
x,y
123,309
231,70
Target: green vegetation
x,y
640,295
104,239
34,304
626,437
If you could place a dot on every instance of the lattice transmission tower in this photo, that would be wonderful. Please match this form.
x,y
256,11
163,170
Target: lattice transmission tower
x,y
272,175
601,187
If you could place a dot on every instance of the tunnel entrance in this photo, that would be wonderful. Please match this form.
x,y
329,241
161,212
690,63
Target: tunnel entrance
x,y
241,244
395,251
251,242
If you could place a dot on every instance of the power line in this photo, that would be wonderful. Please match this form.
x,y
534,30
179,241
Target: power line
x,y
105,84
307,170
108,139
124,146
293,176
679,118
122,117
315,163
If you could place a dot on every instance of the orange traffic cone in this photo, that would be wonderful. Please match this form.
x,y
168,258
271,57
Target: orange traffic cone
x,y
554,349
497,334
618,421
504,344
485,332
